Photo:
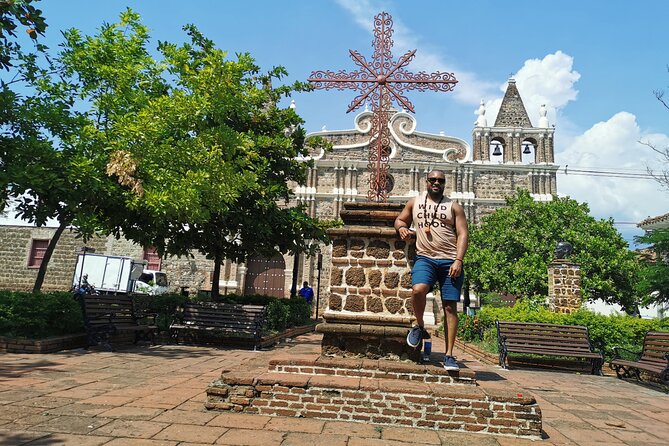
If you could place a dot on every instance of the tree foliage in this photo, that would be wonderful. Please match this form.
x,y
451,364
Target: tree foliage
x,y
511,250
191,152
653,283
12,14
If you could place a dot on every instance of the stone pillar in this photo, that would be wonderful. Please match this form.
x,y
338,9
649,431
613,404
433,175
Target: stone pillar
x,y
564,286
369,309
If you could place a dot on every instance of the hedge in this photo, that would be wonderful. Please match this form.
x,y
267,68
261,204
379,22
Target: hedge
x,y
605,331
35,316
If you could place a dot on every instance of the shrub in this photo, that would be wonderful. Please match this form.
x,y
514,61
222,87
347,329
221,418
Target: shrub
x,y
277,316
299,312
281,313
164,306
41,315
605,331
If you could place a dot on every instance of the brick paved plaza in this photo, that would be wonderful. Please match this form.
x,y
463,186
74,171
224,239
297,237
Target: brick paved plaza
x,y
154,396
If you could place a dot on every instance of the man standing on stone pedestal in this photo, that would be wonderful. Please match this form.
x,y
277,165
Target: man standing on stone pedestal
x,y
441,243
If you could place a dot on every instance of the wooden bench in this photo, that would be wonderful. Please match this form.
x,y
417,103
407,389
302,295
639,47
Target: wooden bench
x,y
107,315
231,321
571,341
654,358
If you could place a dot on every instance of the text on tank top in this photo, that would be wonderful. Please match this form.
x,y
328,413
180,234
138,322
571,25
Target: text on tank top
x,y
441,241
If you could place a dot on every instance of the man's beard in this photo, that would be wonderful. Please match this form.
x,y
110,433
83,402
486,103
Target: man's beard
x,y
435,194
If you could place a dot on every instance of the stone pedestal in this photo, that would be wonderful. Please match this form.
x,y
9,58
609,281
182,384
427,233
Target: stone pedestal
x,y
358,375
369,308
564,286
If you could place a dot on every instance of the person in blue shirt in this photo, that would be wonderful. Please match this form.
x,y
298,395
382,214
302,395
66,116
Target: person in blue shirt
x,y
306,292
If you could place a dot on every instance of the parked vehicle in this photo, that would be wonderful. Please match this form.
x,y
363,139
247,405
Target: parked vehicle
x,y
117,274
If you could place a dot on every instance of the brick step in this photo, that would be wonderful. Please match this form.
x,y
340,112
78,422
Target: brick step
x,y
378,401
311,364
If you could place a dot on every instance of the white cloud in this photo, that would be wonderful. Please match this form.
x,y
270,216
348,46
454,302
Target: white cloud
x,y
613,145
470,88
547,81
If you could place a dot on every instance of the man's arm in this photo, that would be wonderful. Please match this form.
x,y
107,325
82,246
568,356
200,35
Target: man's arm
x,y
404,220
462,234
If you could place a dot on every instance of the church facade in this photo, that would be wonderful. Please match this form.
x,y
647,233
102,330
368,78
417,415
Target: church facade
x,y
509,155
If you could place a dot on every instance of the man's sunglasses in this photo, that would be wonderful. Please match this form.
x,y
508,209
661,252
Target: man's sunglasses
x,y
437,180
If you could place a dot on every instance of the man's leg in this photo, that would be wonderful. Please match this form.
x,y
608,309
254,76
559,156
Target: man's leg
x,y
418,299
450,296
423,276
450,324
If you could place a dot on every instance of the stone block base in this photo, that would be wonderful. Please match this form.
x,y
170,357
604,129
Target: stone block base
x,y
367,341
349,390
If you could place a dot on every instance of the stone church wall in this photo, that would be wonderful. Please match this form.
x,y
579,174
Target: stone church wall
x,y
498,184
15,244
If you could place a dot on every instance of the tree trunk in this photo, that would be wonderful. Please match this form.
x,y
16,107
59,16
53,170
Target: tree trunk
x,y
215,292
47,256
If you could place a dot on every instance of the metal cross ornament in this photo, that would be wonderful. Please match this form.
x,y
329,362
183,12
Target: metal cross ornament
x,y
382,81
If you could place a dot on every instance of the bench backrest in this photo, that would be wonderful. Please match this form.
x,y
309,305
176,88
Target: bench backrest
x,y
528,334
656,347
248,318
96,309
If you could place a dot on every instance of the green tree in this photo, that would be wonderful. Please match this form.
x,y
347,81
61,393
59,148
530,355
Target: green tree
x,y
55,140
192,152
12,14
653,283
511,249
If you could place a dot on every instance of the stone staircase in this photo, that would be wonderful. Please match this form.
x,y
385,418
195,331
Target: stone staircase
x,y
376,391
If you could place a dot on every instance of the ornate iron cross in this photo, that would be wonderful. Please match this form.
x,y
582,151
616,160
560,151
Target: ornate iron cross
x,y
384,82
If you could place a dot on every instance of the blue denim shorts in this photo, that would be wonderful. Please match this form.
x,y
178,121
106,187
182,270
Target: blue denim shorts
x,y
430,271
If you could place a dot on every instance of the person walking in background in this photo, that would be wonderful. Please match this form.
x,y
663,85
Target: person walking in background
x,y
442,238
307,293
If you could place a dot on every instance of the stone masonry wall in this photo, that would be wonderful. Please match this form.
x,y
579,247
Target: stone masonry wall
x,y
370,275
499,184
389,402
15,244
564,287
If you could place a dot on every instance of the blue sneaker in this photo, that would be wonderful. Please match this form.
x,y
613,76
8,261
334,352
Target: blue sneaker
x,y
450,364
415,336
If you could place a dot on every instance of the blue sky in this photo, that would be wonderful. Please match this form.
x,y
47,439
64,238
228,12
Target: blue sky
x,y
594,64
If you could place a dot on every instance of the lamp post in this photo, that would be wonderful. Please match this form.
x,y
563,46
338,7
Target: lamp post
x,y
318,286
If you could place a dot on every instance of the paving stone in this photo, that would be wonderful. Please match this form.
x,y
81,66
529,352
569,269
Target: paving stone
x,y
71,424
130,413
142,442
353,429
77,409
109,400
304,439
237,420
246,437
284,424
356,441
131,428
14,395
410,435
189,433
185,417
79,440
12,436
45,402
12,412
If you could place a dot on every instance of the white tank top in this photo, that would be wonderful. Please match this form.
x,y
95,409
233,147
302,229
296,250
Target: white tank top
x,y
441,241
